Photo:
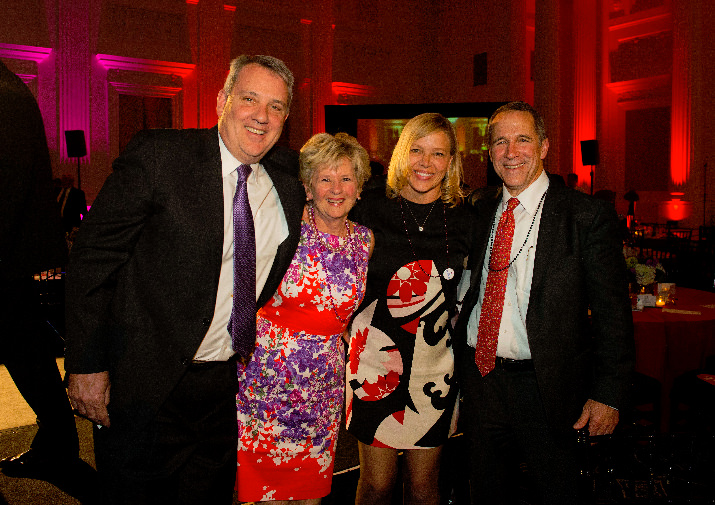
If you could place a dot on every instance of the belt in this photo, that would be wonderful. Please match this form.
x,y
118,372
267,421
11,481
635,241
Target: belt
x,y
205,365
514,365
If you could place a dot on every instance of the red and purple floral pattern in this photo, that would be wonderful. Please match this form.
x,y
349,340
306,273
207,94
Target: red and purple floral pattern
x,y
291,391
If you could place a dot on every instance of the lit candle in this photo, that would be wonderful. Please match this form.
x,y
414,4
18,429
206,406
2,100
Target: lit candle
x,y
660,301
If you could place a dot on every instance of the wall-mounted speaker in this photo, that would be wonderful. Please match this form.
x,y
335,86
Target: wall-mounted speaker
x,y
589,152
76,147
480,69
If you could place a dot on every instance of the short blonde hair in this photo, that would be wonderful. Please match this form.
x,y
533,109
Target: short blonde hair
x,y
399,171
323,148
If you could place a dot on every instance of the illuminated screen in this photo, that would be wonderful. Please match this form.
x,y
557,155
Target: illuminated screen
x,y
378,127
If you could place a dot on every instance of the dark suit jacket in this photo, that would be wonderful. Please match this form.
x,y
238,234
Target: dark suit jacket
x,y
31,237
143,272
578,264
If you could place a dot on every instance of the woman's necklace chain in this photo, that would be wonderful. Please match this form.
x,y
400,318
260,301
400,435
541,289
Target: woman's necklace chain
x,y
422,226
491,244
311,211
448,272
325,263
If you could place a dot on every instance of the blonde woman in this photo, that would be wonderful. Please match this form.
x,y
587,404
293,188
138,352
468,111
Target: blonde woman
x,y
401,390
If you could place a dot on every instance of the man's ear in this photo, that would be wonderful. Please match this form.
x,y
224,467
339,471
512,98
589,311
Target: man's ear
x,y
221,100
544,148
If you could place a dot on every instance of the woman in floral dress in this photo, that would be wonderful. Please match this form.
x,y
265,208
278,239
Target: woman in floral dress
x,y
291,390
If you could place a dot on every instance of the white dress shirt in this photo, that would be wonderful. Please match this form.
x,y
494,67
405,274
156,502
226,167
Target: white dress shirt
x,y
271,230
512,342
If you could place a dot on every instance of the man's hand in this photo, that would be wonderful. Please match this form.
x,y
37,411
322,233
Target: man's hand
x,y
89,394
601,418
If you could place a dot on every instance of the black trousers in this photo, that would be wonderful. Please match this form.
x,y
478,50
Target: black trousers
x,y
27,351
186,456
506,426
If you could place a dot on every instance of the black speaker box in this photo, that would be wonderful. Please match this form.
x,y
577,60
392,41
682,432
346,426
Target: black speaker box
x,y
589,152
480,69
76,148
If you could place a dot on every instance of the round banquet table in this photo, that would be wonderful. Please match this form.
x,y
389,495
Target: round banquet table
x,y
675,339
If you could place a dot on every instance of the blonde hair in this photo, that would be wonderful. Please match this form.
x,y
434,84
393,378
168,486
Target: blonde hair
x,y
416,128
324,148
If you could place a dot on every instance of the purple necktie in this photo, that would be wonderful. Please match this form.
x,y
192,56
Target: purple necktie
x,y
242,325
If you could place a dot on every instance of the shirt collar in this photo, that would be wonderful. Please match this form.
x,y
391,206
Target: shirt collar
x,y
529,198
229,163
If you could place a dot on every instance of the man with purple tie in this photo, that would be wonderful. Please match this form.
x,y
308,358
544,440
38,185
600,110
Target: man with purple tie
x,y
150,292
534,367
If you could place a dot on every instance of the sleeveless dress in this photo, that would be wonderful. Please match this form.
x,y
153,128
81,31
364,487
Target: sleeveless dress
x,y
401,387
291,391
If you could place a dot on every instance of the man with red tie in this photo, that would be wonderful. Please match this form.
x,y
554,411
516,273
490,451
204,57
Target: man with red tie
x,y
534,368
151,287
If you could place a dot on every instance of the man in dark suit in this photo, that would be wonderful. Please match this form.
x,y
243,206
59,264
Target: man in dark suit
x,y
534,367
150,287
31,241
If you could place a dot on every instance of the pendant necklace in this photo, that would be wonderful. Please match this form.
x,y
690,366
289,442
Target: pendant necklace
x,y
449,271
491,244
421,227
327,245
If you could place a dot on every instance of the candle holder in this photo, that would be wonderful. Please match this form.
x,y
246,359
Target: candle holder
x,y
666,290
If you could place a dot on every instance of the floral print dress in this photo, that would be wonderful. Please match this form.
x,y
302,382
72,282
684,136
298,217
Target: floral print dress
x,y
291,391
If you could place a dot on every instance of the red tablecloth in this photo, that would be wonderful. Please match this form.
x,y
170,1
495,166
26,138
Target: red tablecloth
x,y
670,343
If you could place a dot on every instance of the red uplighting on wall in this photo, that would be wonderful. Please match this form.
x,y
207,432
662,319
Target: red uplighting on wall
x,y
679,155
675,209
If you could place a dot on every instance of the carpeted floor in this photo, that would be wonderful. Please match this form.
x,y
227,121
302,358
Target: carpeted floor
x,y
628,469
79,489
17,430
55,490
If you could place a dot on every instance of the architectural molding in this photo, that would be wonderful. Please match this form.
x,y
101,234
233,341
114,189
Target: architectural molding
x,y
642,93
126,88
31,53
112,62
344,92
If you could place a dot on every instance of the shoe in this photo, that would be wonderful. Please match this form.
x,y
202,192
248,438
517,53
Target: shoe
x,y
36,463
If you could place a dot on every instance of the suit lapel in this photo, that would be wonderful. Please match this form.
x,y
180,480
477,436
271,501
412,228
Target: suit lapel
x,y
550,236
209,189
486,210
292,201
482,238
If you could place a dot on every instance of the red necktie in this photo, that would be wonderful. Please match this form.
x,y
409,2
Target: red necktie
x,y
493,304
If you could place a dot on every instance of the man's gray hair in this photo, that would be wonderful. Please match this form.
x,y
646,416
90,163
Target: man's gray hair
x,y
269,62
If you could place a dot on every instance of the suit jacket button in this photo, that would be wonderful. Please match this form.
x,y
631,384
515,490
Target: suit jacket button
x,y
185,361
206,321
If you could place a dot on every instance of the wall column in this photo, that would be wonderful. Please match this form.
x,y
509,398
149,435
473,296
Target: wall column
x,y
322,62
586,36
552,94
680,104
212,58
73,65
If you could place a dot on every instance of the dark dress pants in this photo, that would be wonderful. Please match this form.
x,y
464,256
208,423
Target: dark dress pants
x,y
187,454
26,349
506,426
